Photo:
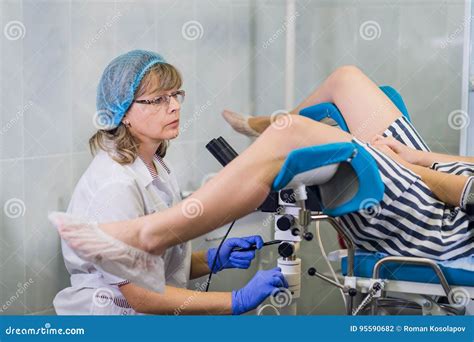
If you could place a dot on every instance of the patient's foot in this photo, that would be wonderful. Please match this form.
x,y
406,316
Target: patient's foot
x,y
240,123
114,247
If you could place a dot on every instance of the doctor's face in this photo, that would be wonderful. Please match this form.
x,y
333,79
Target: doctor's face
x,y
155,112
156,116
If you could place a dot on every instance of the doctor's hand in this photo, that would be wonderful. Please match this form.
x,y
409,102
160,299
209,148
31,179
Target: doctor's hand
x,y
262,285
229,258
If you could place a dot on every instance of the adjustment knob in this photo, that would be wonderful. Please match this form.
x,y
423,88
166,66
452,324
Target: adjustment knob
x,y
285,222
295,232
311,271
308,236
287,196
286,249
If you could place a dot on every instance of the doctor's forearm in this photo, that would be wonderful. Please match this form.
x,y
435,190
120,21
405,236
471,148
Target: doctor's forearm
x,y
177,301
199,265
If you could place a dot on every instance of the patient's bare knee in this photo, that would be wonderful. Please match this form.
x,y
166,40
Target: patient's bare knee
x,y
346,74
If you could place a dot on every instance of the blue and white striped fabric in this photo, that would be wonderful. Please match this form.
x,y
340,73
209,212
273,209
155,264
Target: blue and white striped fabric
x,y
459,168
410,220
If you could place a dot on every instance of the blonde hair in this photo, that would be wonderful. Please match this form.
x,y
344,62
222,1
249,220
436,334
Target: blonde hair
x,y
119,142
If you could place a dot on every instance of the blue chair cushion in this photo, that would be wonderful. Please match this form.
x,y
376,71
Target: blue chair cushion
x,y
329,110
364,264
364,165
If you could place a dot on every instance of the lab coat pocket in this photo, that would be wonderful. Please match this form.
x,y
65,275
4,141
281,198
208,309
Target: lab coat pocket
x,y
106,302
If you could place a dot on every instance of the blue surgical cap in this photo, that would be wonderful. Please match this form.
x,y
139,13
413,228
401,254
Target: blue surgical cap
x,y
119,83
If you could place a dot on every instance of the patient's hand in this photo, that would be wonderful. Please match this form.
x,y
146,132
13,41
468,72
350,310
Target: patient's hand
x,y
407,154
384,148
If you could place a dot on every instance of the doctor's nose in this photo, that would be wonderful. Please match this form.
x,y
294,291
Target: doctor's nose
x,y
174,105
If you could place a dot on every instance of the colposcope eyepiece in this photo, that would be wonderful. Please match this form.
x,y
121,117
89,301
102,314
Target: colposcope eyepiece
x,y
285,222
286,249
221,150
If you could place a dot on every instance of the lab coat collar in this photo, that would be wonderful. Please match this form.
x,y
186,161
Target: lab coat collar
x,y
146,179
141,171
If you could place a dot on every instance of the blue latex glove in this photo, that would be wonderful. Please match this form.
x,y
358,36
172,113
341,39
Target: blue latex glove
x,y
228,258
262,285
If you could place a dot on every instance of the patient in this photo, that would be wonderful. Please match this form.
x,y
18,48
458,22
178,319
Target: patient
x,y
421,213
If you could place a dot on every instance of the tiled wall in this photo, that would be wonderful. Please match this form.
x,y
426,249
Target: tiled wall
x,y
50,63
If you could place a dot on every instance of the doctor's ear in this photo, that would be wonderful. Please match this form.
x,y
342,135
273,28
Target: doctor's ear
x,y
126,123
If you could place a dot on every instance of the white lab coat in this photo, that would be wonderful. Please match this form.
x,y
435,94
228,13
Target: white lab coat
x,y
109,192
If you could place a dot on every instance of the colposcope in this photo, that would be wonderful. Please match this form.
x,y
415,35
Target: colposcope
x,y
292,211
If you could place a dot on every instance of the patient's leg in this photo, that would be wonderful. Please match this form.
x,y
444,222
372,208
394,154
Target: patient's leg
x,y
235,191
366,109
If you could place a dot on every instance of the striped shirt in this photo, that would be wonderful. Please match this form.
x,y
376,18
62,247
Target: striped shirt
x,y
410,220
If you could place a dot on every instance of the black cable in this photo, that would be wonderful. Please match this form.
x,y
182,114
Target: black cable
x,y
217,255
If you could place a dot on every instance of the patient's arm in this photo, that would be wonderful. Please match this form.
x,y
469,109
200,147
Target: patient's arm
x,y
417,157
447,187
429,158
177,301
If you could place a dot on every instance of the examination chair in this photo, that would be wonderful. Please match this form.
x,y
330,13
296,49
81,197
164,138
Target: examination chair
x,y
322,183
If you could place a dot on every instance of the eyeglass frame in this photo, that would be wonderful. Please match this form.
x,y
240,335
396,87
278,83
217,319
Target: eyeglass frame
x,y
167,98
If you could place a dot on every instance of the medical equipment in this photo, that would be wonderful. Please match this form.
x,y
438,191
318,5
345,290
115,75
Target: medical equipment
x,y
254,247
234,253
391,283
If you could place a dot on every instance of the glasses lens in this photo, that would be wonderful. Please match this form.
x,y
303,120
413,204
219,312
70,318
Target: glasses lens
x,y
178,96
158,101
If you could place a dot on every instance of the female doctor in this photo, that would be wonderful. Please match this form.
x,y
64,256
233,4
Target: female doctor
x,y
138,100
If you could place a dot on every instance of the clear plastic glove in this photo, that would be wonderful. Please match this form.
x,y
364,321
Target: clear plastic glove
x,y
112,255
228,258
262,285
240,123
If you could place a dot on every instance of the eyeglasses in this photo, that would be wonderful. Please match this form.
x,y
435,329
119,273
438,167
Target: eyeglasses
x,y
160,100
